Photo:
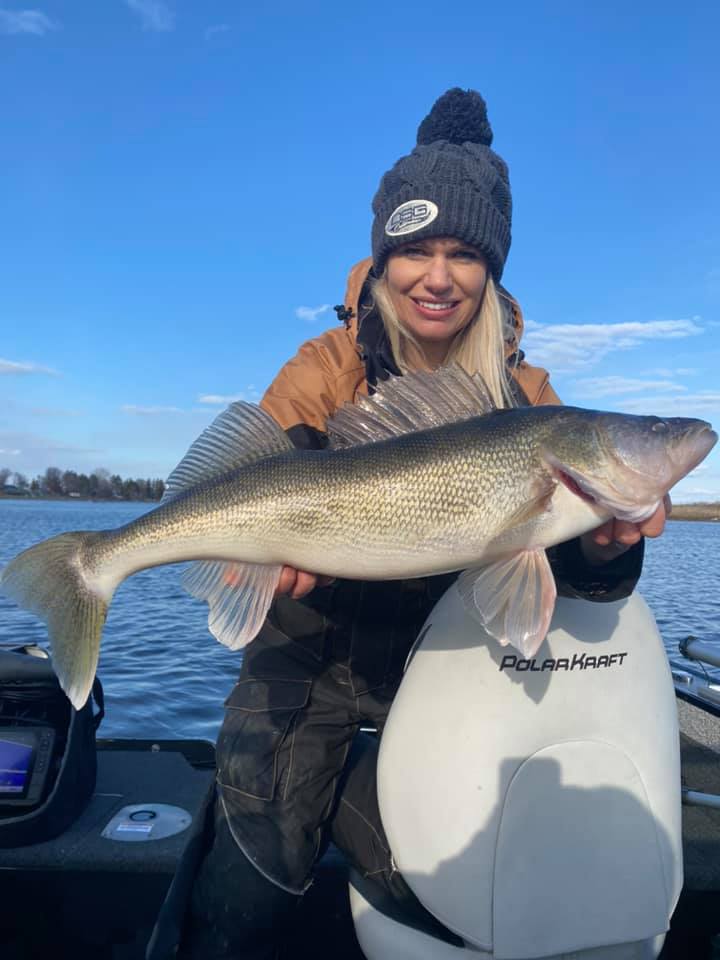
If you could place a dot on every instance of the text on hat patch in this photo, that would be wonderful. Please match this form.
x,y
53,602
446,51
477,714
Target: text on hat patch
x,y
410,216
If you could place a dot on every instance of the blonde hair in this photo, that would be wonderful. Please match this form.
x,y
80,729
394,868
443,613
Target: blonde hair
x,y
478,348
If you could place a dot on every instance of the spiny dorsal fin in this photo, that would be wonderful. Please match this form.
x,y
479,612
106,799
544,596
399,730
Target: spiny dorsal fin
x,y
416,401
239,435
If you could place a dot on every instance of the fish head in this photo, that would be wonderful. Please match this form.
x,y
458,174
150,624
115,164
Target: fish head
x,y
625,464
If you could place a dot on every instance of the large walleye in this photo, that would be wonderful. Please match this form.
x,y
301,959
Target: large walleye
x,y
424,478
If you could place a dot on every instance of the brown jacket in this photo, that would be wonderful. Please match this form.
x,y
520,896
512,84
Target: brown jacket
x,y
328,371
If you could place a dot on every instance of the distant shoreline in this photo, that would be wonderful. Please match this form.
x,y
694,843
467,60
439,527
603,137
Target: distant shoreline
x,y
60,497
695,511
680,511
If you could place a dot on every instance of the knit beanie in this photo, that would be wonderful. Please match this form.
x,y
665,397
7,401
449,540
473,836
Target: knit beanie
x,y
451,185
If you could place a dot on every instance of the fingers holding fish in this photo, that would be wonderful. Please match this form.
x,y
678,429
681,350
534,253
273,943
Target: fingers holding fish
x,y
298,583
615,536
654,525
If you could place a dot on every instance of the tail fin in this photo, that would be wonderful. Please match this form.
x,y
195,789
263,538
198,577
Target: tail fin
x,y
49,580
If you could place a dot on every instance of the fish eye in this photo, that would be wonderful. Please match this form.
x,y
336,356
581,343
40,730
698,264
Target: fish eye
x,y
660,426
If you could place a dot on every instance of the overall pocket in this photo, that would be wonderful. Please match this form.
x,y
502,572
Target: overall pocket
x,y
258,728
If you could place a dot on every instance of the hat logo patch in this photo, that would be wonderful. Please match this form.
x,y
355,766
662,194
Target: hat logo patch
x,y
411,216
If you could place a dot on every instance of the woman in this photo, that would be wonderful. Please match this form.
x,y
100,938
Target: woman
x,y
330,655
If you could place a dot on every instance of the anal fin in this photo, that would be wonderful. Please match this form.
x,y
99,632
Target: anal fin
x,y
238,594
513,599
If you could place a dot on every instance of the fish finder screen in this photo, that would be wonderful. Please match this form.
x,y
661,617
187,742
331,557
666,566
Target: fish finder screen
x,y
15,762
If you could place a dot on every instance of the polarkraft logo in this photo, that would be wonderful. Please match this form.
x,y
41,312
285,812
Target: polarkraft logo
x,y
411,216
581,661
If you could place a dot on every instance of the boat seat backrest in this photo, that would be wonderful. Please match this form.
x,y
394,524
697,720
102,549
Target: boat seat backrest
x,y
533,805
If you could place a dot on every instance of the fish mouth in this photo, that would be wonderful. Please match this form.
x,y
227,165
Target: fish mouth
x,y
703,442
608,496
573,486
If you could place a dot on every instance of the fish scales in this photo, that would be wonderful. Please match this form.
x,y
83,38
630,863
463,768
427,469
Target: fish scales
x,y
433,491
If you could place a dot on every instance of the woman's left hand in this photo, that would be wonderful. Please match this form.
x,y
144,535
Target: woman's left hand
x,y
616,536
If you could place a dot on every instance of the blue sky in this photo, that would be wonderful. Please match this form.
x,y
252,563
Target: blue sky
x,y
185,185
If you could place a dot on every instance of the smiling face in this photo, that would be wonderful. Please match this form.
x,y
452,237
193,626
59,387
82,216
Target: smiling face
x,y
436,287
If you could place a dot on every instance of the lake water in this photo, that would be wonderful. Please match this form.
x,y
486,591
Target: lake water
x,y
164,674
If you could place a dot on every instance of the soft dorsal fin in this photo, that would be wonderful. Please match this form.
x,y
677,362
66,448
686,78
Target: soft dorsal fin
x,y
415,401
239,435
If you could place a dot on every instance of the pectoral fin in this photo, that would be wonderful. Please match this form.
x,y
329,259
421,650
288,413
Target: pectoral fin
x,y
513,599
238,594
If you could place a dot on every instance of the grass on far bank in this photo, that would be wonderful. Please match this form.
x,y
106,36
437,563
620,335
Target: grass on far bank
x,y
695,511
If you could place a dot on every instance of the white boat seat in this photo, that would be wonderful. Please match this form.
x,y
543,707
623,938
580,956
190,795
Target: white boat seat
x,y
533,806
380,901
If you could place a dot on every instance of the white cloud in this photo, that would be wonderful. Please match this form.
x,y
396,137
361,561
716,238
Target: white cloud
x,y
310,314
53,412
668,373
26,21
31,443
216,399
575,346
250,395
216,29
702,404
154,14
15,367
620,386
148,411
701,484
690,494
6,452
32,453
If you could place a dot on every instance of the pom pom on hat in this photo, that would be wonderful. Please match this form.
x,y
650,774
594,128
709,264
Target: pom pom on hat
x,y
458,116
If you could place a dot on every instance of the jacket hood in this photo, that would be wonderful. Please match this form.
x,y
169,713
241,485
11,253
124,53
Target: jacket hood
x,y
359,274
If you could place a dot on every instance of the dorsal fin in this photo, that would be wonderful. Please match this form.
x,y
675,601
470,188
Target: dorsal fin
x,y
239,435
416,401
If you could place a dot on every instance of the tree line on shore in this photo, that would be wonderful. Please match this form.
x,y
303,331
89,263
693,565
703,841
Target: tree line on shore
x,y
99,485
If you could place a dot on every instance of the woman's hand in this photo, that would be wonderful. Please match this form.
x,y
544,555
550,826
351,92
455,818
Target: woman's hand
x,y
616,536
298,583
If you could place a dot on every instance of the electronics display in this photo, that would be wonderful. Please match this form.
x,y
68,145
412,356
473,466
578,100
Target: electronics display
x,y
25,757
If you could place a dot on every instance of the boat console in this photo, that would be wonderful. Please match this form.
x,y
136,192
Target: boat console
x,y
24,765
96,889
